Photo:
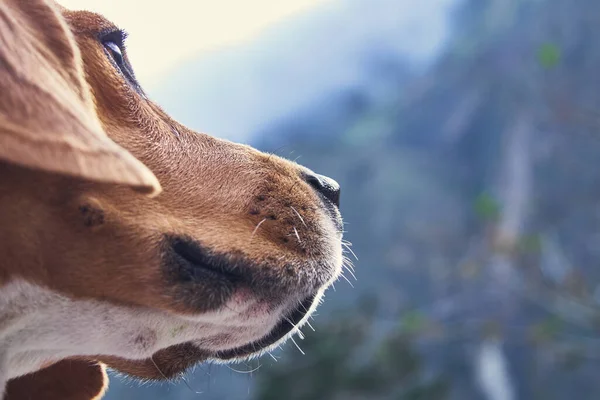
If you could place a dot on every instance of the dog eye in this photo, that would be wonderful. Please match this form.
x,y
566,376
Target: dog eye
x,y
115,52
114,44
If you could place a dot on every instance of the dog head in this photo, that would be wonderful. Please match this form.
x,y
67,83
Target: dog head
x,y
221,251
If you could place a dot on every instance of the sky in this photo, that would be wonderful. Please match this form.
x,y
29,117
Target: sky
x,y
164,33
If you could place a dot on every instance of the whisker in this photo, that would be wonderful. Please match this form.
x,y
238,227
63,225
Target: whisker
x,y
290,322
293,185
298,347
347,246
185,381
257,226
158,369
244,372
303,306
276,151
307,321
348,267
272,356
167,379
347,280
301,335
297,235
298,214
348,262
205,370
346,242
350,271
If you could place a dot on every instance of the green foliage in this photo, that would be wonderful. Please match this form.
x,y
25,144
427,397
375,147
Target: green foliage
x,y
487,207
340,364
436,390
413,322
530,244
573,358
547,329
549,55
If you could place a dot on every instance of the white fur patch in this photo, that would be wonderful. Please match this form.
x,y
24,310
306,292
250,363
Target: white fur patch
x,y
38,326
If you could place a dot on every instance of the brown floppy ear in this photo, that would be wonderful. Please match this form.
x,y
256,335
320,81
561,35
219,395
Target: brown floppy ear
x,y
65,380
47,118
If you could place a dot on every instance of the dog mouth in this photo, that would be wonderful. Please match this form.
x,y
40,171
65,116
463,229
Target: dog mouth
x,y
173,361
288,324
194,263
204,281
204,285
214,279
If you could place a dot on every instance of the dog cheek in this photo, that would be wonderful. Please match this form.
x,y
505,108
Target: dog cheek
x,y
91,215
88,213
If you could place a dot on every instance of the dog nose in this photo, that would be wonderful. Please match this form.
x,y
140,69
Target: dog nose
x,y
328,187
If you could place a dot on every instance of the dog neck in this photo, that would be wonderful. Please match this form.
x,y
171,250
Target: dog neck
x,y
39,327
32,321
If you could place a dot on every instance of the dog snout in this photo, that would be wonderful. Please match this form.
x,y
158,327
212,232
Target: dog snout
x,y
325,186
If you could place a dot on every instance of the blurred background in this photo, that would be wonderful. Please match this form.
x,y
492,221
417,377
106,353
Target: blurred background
x,y
466,137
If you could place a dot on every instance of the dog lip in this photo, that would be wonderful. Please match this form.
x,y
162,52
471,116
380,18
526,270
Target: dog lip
x,y
196,263
334,214
285,326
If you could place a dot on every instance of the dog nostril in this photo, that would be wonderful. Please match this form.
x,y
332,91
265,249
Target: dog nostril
x,y
329,188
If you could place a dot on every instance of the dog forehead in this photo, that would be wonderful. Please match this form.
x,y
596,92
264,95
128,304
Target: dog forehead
x,y
87,22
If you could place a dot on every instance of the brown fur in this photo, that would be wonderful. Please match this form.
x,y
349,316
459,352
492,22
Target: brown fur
x,y
75,137
57,382
47,119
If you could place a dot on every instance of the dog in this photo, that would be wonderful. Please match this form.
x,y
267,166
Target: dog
x,y
128,240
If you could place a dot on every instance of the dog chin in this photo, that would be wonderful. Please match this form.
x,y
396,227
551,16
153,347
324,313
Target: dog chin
x,y
258,327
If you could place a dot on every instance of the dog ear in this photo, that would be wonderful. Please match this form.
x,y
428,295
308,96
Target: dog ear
x,y
47,117
65,380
